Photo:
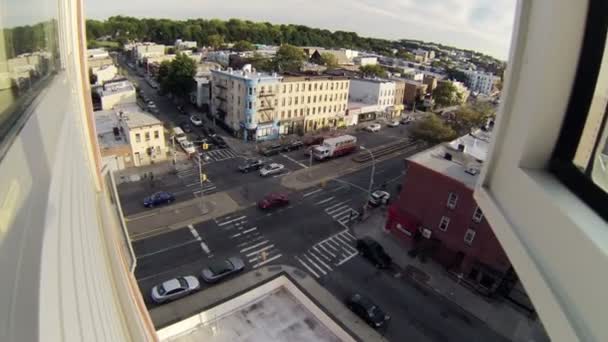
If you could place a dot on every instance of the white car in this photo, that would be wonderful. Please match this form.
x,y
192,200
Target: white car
x,y
174,288
187,146
271,169
394,123
379,197
196,120
373,127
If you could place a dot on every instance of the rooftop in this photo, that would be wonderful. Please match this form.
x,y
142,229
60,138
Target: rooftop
x,y
464,165
105,121
131,115
247,74
116,86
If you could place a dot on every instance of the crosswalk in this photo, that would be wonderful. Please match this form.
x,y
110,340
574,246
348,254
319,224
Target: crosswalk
x,y
253,246
191,181
339,210
324,256
217,155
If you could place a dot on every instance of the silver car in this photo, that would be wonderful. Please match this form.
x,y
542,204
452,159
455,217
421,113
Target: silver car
x,y
221,269
271,169
175,288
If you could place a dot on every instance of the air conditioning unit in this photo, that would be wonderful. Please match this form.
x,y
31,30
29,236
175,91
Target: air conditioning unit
x,y
472,170
426,233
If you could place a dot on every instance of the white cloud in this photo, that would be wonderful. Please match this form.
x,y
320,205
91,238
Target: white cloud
x,y
483,25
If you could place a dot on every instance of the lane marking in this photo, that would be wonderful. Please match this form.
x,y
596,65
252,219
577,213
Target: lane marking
x,y
267,261
255,239
339,212
308,268
312,192
254,246
325,200
230,221
259,251
346,243
295,161
235,235
249,230
319,260
168,248
335,205
339,209
313,263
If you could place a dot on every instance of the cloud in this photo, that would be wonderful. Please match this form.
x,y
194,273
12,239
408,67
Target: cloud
x,y
482,25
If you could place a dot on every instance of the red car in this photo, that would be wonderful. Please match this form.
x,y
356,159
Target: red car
x,y
273,200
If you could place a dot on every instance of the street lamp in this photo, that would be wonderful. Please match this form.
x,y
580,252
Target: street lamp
x,y
371,178
173,143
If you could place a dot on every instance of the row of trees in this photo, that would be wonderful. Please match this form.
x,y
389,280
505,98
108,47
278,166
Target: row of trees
x,y
30,38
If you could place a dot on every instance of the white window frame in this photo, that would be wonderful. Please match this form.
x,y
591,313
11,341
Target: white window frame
x,y
444,220
469,236
452,200
522,200
477,215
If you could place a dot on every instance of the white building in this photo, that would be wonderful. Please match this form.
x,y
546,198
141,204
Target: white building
x,y
118,92
144,133
367,60
481,82
372,91
185,44
142,50
97,53
104,73
220,57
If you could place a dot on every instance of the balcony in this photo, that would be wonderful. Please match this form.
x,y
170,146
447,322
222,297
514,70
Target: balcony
x,y
266,94
221,86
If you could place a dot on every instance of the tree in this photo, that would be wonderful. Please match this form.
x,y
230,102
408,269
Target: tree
x,y
457,75
260,62
446,94
433,130
408,56
216,41
163,73
289,58
374,70
329,60
178,76
243,45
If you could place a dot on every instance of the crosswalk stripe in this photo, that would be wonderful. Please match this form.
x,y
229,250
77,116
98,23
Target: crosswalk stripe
x,y
335,210
265,248
325,200
321,253
254,246
250,230
269,254
267,261
235,235
345,242
312,192
332,247
251,241
307,267
315,265
335,205
340,212
348,235
341,247
319,260
346,259
230,221
325,249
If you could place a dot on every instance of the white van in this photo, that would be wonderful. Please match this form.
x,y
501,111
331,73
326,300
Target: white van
x,y
179,134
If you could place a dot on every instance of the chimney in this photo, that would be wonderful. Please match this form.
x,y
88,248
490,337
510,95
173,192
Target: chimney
x,y
447,156
461,147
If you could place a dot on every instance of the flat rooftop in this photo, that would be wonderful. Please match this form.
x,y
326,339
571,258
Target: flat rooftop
x,y
105,121
476,147
130,113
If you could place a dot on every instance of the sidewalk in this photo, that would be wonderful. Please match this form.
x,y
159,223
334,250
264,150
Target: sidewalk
x,y
500,316
134,174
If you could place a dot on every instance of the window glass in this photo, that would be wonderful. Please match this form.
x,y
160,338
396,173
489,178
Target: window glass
x,y
29,56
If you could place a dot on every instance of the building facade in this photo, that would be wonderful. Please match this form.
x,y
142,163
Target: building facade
x,y
399,91
116,92
430,81
144,133
413,91
104,73
480,82
446,224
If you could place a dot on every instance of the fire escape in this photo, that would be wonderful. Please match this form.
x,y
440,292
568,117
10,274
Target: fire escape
x,y
266,105
220,100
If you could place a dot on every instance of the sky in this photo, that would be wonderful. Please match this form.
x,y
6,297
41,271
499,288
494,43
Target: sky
x,y
481,25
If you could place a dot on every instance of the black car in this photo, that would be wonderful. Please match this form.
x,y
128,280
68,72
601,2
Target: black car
x,y
373,251
186,127
251,165
218,141
272,150
367,310
292,146
209,131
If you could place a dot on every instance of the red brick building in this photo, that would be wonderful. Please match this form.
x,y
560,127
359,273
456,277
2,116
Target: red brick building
x,y
437,216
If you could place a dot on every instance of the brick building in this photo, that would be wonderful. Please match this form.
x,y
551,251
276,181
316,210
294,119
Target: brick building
x,y
437,217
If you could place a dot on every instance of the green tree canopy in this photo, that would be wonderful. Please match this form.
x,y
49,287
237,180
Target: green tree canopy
x,y
260,62
433,130
446,94
289,58
374,70
403,54
243,45
216,41
457,75
329,60
177,76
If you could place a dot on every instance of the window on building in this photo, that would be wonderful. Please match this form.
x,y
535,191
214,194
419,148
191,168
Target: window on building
x,y
262,88
282,114
250,91
283,102
147,136
307,111
137,137
290,88
157,150
301,111
477,215
452,200
469,236
308,101
309,87
314,99
313,110
324,109
289,114
276,102
444,223
284,88
316,86
296,100
238,100
156,135
289,101
250,105
321,86
325,98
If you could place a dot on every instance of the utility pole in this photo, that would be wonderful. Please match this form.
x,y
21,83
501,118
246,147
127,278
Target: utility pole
x,y
371,178
173,143
202,177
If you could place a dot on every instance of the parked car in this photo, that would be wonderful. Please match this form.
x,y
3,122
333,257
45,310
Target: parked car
x,y
273,200
272,150
292,146
394,123
313,140
379,197
196,120
186,127
181,109
271,169
209,131
373,127
371,250
152,107
188,147
406,120
367,310
158,198
221,269
174,288
218,141
251,164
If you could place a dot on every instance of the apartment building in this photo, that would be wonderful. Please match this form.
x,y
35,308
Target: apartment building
x,y
185,44
97,58
258,106
481,82
413,91
104,73
365,60
430,81
147,49
116,92
399,91
377,92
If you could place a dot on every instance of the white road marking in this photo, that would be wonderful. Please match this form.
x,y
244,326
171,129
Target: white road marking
x,y
168,248
205,247
281,175
319,260
338,210
331,246
313,263
312,193
265,248
295,161
254,246
343,239
348,235
250,230
321,253
267,260
326,250
325,200
235,235
341,247
346,259
230,221
307,267
250,241
335,205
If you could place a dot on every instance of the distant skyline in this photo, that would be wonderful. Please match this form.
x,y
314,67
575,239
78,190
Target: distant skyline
x,y
480,25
